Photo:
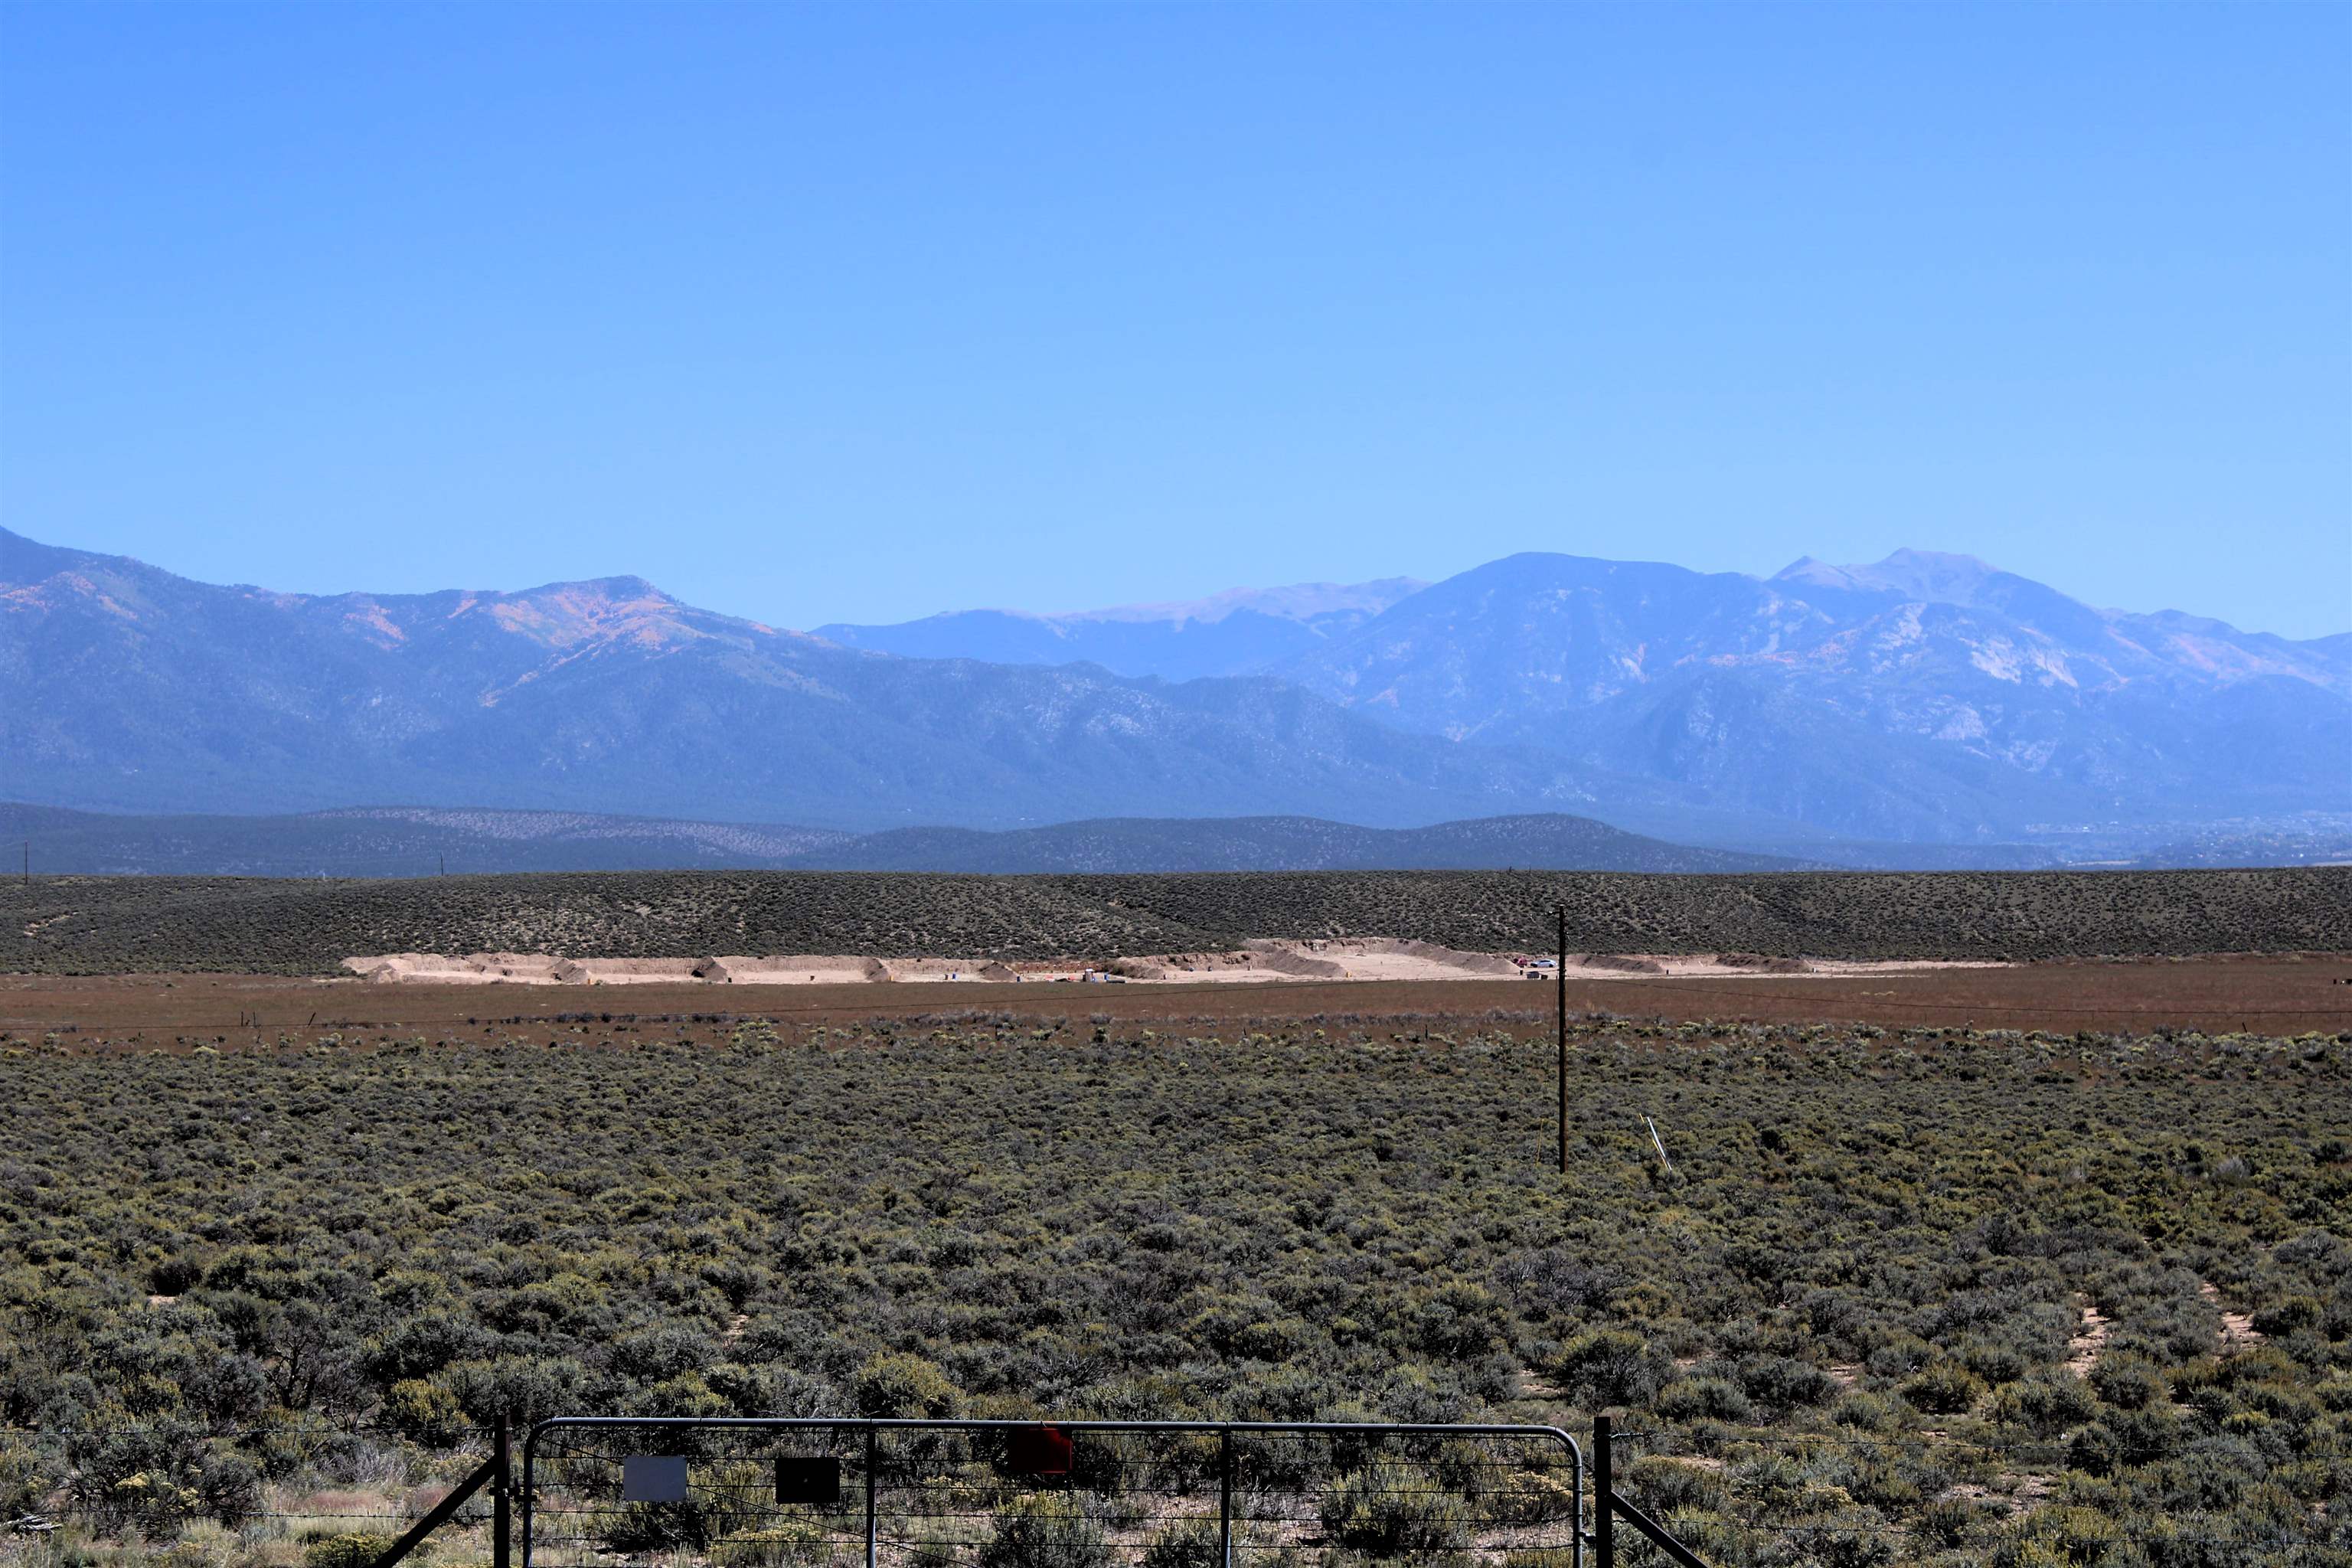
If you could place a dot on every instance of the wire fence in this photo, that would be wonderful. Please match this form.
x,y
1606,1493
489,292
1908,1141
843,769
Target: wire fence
x,y
754,1493
937,1494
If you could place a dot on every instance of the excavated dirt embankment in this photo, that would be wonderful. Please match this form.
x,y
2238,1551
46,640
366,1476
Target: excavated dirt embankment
x,y
1347,958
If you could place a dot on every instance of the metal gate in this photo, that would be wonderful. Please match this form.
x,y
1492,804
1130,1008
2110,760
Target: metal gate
x,y
753,1493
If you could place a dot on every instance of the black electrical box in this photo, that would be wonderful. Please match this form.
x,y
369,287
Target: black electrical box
x,y
808,1481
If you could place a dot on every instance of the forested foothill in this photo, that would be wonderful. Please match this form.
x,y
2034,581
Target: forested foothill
x,y
1923,1297
106,925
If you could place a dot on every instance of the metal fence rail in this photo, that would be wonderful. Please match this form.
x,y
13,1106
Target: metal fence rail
x,y
751,1492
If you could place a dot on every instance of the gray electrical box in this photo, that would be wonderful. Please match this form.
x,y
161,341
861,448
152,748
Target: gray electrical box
x,y
653,1478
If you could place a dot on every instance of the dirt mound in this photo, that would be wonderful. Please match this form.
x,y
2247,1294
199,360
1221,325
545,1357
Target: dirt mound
x,y
1762,963
626,971
1620,965
1287,958
1239,963
792,968
919,969
1399,958
473,968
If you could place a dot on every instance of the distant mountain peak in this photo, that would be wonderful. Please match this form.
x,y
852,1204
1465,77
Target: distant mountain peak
x,y
1936,576
1292,602
1926,695
1239,631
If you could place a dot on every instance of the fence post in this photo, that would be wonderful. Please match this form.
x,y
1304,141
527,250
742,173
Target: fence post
x,y
1604,1497
485,1475
873,1448
1560,982
502,1495
1226,1497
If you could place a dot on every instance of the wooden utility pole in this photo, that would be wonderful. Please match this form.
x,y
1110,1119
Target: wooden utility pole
x,y
1559,980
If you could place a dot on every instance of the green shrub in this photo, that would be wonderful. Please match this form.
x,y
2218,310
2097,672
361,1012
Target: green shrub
x,y
1944,1388
1190,1543
359,1549
2287,1317
903,1385
154,1480
1531,1497
27,1478
1391,1509
1044,1530
1705,1398
1783,1382
2044,1404
2128,1382
175,1275
1671,1486
425,1413
2062,1537
522,1388
794,1542
2122,1438
1603,1367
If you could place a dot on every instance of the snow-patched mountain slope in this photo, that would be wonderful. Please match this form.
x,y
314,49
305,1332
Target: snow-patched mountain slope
x,y
1921,699
1922,695
126,688
1237,632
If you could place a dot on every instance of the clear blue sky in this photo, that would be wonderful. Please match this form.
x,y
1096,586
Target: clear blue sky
x,y
860,312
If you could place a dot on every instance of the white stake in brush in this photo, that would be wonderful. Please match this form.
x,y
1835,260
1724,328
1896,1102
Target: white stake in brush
x,y
1660,1142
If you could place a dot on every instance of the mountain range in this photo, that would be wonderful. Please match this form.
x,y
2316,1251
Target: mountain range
x,y
1243,632
1924,699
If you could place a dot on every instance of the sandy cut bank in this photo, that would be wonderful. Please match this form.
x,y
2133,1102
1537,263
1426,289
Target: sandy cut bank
x,y
731,969
1263,961
1352,958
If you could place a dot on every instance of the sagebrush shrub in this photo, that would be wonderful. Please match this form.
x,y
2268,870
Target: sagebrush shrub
x,y
1603,1367
1943,1388
1044,1530
1389,1510
355,1549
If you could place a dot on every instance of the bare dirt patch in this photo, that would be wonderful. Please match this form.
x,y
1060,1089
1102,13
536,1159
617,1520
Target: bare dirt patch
x,y
2238,1330
2083,1351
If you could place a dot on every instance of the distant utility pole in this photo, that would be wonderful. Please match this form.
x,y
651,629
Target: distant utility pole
x,y
445,865
29,862
1560,979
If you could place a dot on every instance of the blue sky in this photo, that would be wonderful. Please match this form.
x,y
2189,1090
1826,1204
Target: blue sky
x,y
863,312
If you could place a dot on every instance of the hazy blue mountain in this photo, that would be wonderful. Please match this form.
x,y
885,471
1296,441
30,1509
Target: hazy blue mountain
x,y
1234,633
1924,699
390,841
1550,842
418,841
1925,696
126,688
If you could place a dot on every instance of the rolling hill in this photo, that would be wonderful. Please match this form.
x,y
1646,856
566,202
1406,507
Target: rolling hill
x,y
419,841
